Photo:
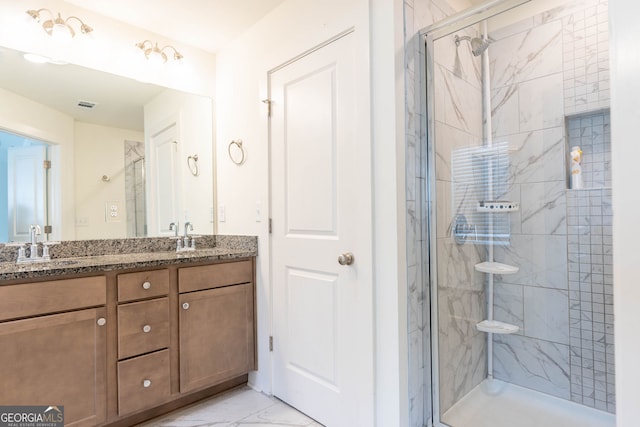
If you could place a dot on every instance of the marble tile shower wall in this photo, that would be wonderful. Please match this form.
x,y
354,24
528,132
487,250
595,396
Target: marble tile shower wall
x,y
530,70
417,15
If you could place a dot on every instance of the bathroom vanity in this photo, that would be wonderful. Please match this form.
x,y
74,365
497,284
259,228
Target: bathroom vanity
x,y
120,338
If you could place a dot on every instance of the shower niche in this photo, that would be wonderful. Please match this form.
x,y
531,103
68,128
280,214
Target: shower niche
x,y
591,131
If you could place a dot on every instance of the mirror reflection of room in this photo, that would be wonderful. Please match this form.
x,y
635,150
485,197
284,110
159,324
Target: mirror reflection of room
x,y
106,178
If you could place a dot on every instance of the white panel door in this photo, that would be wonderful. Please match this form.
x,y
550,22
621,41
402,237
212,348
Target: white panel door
x,y
165,181
322,314
26,190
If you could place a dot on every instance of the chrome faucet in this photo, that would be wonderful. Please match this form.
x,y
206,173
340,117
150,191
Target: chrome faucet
x,y
34,231
174,226
187,227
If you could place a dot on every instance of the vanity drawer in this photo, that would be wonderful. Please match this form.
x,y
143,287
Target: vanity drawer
x,y
214,276
145,284
32,299
143,382
143,327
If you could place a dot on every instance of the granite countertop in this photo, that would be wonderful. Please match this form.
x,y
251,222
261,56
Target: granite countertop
x,y
124,254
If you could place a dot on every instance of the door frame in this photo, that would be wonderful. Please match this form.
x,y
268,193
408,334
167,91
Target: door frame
x,y
363,124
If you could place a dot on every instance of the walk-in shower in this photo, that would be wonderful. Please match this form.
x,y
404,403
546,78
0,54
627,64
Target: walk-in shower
x,y
517,277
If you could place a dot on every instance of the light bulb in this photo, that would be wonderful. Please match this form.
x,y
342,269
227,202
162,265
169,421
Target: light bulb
x,y
156,58
61,33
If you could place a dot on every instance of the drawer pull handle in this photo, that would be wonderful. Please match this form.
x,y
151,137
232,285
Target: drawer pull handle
x,y
146,383
102,321
146,285
185,305
146,328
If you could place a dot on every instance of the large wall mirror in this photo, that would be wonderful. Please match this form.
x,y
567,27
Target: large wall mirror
x,y
91,155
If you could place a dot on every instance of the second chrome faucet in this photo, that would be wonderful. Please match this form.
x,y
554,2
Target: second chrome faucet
x,y
186,242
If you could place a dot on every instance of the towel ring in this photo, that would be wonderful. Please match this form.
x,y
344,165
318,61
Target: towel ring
x,y
235,160
192,162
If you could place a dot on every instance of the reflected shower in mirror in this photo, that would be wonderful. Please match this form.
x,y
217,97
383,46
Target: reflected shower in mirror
x,y
135,188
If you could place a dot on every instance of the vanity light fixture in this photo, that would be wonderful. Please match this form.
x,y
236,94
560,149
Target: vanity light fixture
x,y
155,54
57,27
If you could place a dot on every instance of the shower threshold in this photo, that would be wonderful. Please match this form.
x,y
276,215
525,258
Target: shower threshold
x,y
515,406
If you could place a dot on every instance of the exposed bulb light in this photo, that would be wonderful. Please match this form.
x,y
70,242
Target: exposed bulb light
x,y
58,28
36,59
156,55
40,59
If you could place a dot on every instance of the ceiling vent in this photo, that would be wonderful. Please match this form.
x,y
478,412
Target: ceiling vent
x,y
86,104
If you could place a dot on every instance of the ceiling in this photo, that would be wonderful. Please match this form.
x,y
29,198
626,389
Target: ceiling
x,y
206,24
119,101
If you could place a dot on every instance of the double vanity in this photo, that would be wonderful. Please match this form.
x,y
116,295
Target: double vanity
x,y
120,331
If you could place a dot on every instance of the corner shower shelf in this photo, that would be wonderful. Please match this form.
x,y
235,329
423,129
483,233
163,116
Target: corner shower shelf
x,y
496,268
497,206
496,327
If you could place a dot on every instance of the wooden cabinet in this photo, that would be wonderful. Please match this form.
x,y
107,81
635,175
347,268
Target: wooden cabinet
x,y
144,378
121,347
217,333
143,382
143,284
143,327
55,359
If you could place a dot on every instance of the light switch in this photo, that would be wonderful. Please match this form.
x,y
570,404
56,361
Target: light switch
x,y
258,211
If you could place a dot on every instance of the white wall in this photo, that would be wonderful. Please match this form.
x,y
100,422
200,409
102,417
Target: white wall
x,y
625,150
99,150
293,28
389,231
26,117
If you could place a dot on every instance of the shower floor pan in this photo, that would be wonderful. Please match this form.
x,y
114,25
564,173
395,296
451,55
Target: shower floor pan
x,y
515,406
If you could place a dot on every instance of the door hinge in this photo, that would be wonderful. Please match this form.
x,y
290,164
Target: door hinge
x,y
268,102
270,343
48,229
46,164
270,226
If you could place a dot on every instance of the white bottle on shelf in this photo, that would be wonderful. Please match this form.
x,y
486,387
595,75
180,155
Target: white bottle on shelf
x,y
577,181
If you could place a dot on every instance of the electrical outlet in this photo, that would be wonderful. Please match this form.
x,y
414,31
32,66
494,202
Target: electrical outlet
x,y
112,211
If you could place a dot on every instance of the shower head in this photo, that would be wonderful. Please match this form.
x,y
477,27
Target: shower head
x,y
478,45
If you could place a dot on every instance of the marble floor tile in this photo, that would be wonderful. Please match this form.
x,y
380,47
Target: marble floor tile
x,y
242,407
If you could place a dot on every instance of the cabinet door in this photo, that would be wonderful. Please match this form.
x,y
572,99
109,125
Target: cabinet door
x,y
56,360
217,336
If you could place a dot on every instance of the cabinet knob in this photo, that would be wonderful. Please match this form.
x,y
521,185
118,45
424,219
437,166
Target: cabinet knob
x,y
146,285
146,383
146,328
185,305
102,321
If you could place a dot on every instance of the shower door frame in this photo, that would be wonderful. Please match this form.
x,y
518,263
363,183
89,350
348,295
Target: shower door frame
x,y
429,35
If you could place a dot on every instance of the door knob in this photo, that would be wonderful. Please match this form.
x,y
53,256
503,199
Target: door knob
x,y
345,259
